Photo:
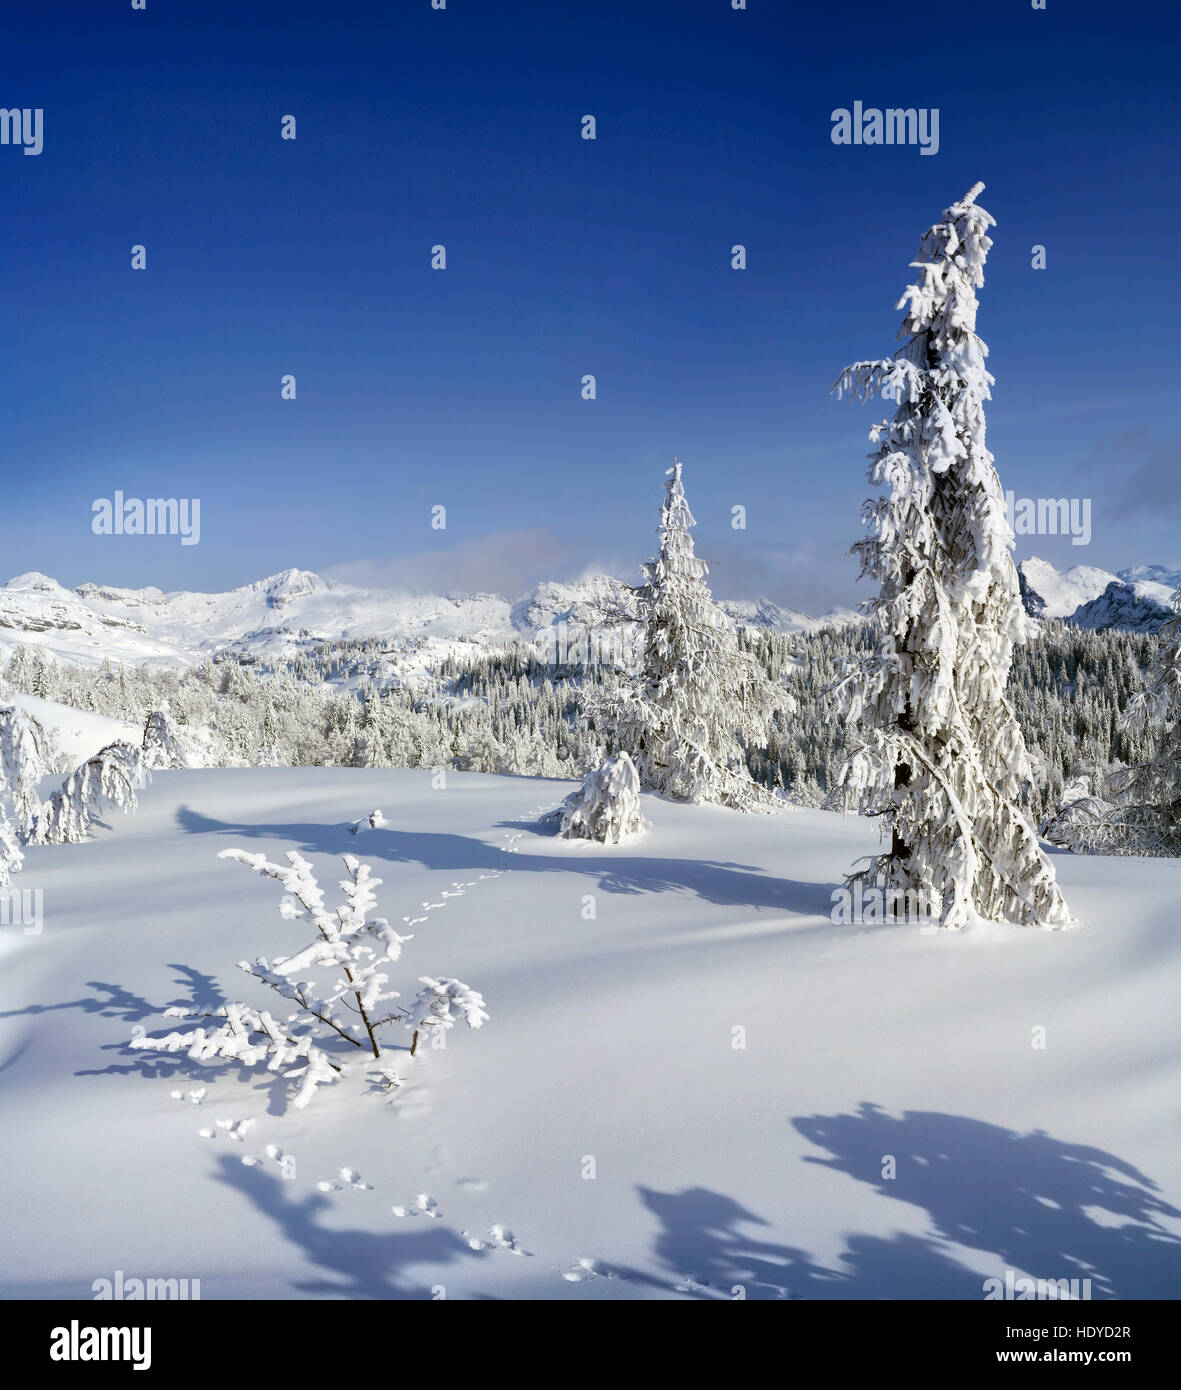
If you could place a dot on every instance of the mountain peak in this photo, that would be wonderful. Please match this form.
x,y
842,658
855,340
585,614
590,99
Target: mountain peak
x,y
1051,593
34,580
288,585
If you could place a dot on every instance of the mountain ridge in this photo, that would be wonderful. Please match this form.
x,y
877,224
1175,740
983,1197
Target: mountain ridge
x,y
282,613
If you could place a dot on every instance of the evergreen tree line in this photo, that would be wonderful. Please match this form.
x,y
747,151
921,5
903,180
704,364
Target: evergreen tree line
x,y
509,711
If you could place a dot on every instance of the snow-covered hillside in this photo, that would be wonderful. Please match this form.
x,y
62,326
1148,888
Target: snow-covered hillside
x,y
1137,599
1140,606
76,734
274,616
692,1083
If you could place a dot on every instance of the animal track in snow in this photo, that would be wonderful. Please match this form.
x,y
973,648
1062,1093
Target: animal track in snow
x,y
499,1238
585,1269
424,1205
505,1240
233,1129
236,1129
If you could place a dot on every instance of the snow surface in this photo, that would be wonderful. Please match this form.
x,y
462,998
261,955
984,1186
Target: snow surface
x,y
610,1039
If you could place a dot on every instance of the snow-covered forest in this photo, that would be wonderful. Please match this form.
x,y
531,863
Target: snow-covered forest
x,y
510,710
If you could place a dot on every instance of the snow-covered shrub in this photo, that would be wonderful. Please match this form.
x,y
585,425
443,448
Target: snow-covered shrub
x,y
353,952
606,807
108,780
942,758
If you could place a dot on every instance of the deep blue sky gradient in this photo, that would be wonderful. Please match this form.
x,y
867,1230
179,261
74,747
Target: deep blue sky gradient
x,y
564,257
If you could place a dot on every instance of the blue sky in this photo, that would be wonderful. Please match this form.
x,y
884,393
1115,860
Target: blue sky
x,y
460,387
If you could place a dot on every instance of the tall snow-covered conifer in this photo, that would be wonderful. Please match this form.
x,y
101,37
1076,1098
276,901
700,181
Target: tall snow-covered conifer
x,y
698,695
943,759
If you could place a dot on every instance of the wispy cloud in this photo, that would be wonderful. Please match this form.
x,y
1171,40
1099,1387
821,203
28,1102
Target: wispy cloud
x,y
501,562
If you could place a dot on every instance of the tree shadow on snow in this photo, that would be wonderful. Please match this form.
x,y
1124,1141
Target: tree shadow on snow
x,y
357,1263
726,884
113,1001
202,992
703,1246
1038,1206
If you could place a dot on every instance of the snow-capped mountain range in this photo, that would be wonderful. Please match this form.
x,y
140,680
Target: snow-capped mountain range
x,y
1138,598
279,615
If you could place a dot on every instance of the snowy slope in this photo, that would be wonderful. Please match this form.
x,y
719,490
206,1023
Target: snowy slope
x,y
1156,574
78,734
38,612
611,1042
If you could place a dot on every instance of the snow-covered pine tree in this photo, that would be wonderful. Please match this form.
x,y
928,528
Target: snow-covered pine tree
x,y
1149,816
943,760
606,807
698,695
